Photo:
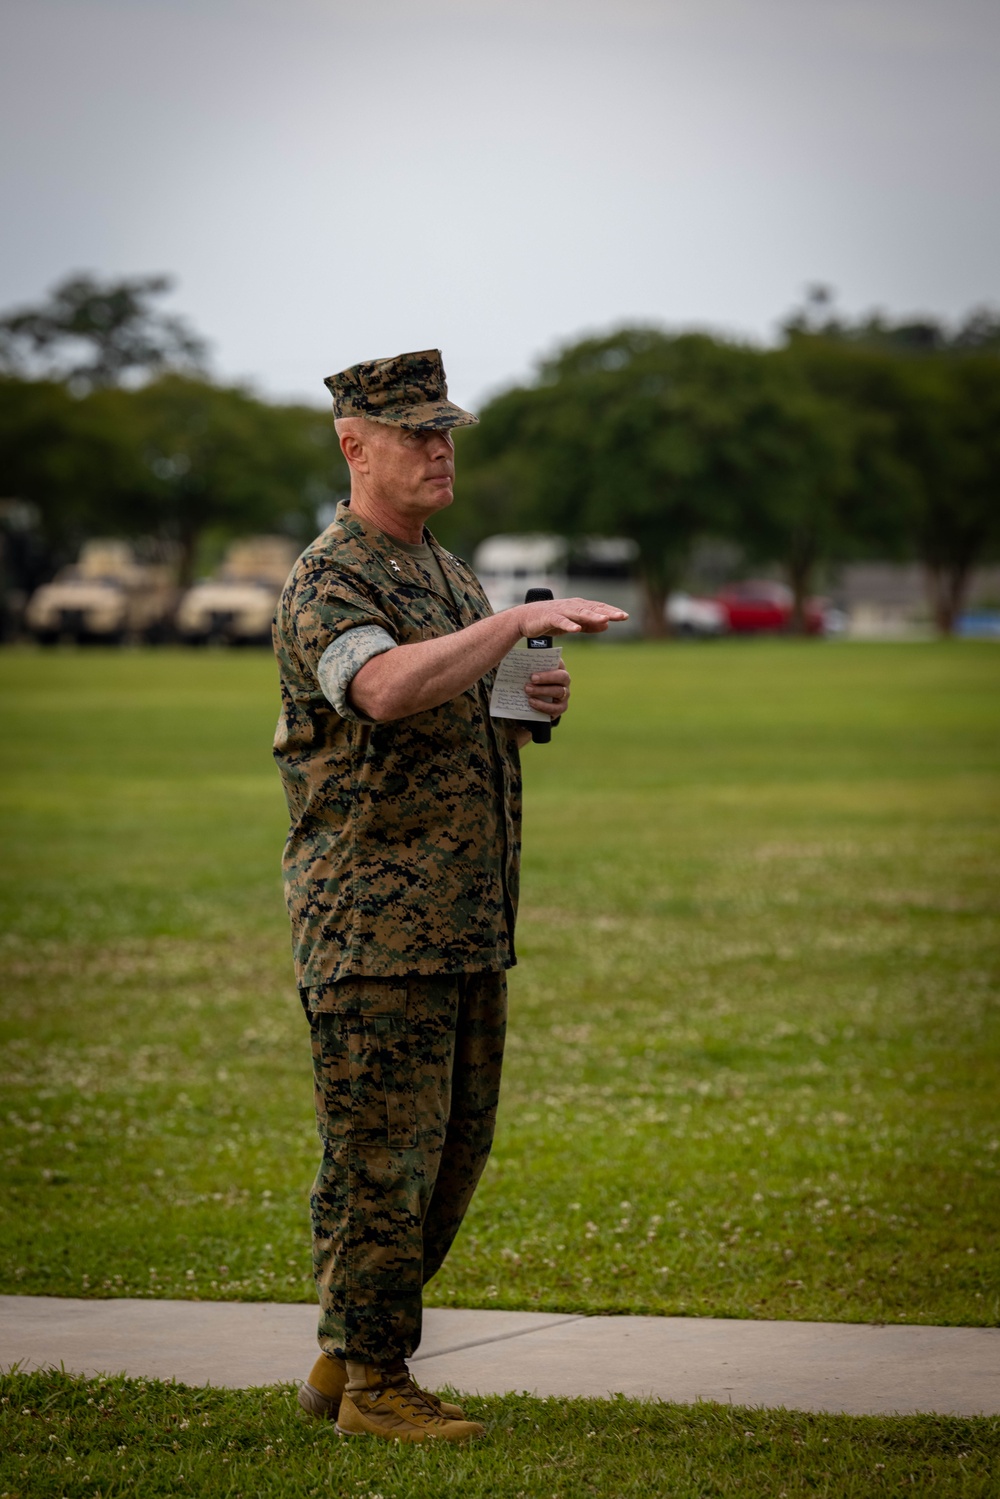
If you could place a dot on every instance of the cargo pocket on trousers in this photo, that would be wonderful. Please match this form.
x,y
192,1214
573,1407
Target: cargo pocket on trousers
x,y
364,1089
399,1086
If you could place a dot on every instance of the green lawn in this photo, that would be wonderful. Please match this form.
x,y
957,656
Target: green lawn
x,y
112,1439
754,1036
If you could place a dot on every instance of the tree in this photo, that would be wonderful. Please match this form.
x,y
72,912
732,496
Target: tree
x,y
624,435
56,456
949,429
929,480
93,335
977,332
173,457
206,457
791,475
176,459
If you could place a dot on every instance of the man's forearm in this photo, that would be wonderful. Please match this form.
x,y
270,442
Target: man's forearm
x,y
412,678
415,677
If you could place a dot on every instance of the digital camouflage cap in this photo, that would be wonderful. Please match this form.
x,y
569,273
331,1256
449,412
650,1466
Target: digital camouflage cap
x,y
408,390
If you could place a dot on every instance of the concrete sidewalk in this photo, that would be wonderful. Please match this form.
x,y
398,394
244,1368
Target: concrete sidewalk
x,y
807,1366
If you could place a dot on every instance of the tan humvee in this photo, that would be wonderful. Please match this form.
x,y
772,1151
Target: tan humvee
x,y
108,595
237,605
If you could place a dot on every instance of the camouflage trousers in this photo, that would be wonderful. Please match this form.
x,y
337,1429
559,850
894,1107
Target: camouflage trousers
x,y
407,1076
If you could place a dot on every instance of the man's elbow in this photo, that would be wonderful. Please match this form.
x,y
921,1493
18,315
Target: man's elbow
x,y
371,702
376,694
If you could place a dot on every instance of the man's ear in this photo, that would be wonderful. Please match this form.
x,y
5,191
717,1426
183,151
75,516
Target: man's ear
x,y
354,451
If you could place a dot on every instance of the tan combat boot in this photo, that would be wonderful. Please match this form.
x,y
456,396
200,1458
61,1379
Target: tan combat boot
x,y
321,1393
386,1403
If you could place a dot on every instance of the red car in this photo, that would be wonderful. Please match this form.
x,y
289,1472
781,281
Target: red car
x,y
757,606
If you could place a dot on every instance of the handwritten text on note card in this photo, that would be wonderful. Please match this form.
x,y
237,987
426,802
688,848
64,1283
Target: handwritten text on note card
x,y
508,698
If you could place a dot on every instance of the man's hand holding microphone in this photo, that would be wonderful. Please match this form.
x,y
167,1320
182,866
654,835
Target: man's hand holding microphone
x,y
540,617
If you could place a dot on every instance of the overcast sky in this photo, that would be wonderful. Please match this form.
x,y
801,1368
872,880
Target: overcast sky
x,y
332,182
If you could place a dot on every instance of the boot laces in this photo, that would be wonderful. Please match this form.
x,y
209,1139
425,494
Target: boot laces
x,y
399,1378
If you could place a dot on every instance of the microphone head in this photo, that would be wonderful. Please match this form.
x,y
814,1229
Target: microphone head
x,y
538,595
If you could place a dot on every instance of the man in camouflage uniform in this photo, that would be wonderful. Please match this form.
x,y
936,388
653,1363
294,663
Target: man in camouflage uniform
x,y
401,872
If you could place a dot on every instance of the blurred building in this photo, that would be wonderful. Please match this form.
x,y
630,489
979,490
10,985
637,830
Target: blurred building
x,y
888,600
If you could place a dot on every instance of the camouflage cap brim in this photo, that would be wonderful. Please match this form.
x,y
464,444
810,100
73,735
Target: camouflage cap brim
x,y
433,416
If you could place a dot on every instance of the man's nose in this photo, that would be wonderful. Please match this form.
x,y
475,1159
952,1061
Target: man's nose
x,y
441,445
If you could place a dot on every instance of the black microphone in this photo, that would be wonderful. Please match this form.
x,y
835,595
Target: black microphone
x,y
541,733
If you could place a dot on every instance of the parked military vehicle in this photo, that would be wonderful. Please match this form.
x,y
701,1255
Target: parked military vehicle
x,y
107,596
236,606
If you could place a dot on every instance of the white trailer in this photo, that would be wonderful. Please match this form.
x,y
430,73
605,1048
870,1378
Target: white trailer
x,y
596,567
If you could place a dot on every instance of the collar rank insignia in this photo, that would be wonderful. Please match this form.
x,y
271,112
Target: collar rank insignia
x,y
395,566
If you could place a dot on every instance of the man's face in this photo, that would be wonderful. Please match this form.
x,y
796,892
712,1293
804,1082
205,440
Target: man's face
x,y
413,472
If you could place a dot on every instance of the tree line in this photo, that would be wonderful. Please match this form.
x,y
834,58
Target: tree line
x,y
849,439
111,425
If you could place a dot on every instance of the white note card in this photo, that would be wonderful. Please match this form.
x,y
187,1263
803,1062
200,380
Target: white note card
x,y
508,698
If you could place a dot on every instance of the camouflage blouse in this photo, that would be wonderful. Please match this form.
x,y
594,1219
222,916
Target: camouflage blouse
x,y
403,852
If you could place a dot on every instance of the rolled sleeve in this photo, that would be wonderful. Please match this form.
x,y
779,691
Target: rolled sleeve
x,y
344,658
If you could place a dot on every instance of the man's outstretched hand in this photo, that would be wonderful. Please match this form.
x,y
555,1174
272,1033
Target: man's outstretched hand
x,y
566,617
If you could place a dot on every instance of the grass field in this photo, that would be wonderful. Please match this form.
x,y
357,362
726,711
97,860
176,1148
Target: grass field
x,y
754,1031
752,1067
107,1439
